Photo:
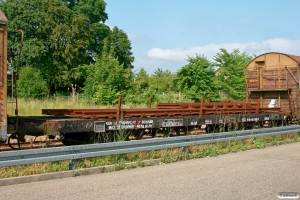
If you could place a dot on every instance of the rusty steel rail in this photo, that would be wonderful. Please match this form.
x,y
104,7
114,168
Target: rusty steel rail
x,y
113,113
152,112
207,105
166,109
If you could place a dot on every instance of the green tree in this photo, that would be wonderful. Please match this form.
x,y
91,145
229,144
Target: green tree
x,y
230,74
118,40
59,35
196,79
157,86
31,84
141,79
107,79
162,80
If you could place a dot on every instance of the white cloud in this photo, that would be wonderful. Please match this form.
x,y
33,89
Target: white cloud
x,y
174,59
141,38
132,36
280,45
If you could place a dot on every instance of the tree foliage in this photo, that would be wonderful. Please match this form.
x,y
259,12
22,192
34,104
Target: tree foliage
x,y
59,35
162,80
67,41
142,79
118,40
31,84
145,86
230,74
106,79
196,79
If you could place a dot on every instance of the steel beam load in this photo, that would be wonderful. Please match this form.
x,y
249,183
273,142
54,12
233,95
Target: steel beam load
x,y
166,109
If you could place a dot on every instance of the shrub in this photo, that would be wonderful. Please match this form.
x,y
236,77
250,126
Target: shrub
x,y
31,84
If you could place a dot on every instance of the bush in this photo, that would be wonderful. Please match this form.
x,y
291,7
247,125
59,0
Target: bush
x,y
31,84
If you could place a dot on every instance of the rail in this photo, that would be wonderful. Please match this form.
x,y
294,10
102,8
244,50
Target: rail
x,y
72,153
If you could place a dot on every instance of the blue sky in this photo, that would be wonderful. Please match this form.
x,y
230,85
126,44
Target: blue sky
x,y
163,33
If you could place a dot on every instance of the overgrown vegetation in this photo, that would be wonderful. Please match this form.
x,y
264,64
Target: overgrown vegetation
x,y
31,84
196,80
230,74
166,156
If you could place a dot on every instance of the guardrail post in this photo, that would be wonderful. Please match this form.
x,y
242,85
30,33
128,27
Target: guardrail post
x,y
185,154
72,164
184,150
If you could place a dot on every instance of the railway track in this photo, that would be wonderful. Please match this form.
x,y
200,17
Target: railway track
x,y
31,145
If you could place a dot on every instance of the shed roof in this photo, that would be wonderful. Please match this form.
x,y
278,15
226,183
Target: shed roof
x,y
294,57
3,19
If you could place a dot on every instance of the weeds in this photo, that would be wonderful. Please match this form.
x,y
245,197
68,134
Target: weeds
x,y
33,107
211,152
275,140
296,138
258,144
121,164
140,163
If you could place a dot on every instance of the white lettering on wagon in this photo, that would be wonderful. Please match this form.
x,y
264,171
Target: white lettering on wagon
x,y
208,121
172,122
252,119
118,127
129,124
145,124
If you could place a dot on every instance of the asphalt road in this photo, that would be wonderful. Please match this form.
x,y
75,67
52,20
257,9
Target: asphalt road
x,y
253,174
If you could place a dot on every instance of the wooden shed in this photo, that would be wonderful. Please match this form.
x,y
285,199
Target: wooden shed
x,y
273,80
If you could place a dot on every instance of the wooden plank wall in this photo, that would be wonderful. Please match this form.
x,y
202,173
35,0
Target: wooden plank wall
x,y
274,76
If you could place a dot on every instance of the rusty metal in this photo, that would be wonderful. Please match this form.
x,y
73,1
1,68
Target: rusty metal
x,y
119,108
201,108
3,76
224,107
215,105
166,109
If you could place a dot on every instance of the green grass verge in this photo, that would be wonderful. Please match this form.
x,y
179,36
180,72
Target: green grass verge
x,y
166,156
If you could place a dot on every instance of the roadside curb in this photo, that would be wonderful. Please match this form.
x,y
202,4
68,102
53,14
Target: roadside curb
x,y
74,173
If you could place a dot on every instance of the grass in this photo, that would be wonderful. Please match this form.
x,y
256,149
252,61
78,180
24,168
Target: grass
x,y
166,156
33,107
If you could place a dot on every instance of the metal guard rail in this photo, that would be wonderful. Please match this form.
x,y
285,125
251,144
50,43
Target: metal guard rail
x,y
72,153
